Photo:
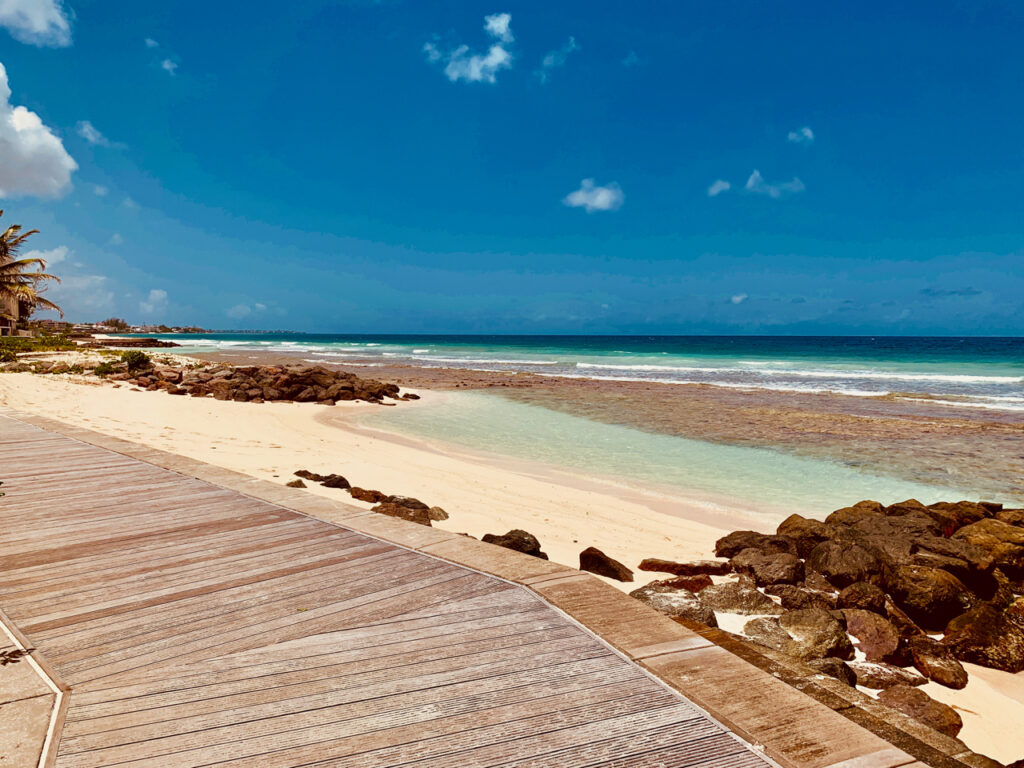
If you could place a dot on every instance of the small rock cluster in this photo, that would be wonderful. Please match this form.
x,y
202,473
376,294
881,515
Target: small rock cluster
x,y
404,507
264,383
916,589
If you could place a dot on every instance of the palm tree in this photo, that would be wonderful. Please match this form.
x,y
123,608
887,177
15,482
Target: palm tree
x,y
20,279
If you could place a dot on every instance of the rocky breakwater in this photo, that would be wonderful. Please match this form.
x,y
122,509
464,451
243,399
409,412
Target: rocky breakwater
x,y
263,383
884,597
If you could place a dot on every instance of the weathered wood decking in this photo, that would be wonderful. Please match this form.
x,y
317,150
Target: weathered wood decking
x,y
179,623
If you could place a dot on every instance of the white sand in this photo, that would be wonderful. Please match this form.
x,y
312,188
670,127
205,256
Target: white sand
x,y
481,494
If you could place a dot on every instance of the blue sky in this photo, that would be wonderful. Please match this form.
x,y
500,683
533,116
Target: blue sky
x,y
522,166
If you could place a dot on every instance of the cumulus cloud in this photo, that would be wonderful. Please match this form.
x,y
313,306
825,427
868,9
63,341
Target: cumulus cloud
x,y
115,239
168,66
82,293
758,186
37,22
51,257
33,160
739,298
718,187
130,204
593,198
154,303
556,58
91,134
463,64
151,43
99,190
801,136
238,311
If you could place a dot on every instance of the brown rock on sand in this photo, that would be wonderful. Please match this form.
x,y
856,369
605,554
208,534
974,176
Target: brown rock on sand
x,y
594,560
922,707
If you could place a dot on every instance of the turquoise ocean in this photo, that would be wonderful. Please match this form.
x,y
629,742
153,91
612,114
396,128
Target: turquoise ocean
x,y
982,374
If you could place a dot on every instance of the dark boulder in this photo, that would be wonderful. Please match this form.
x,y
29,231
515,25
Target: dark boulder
x,y
856,513
844,563
834,667
362,494
987,636
765,568
295,484
930,596
796,598
864,596
1002,542
676,603
923,708
936,662
437,514
517,539
951,516
336,481
876,637
1011,517
594,560
737,541
805,532
305,474
741,596
692,583
406,501
403,513
694,568
766,631
816,634
878,675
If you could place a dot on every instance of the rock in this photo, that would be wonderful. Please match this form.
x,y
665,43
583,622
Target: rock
x,y
404,513
923,708
362,494
987,636
741,597
594,560
1003,542
795,598
935,661
695,568
1011,517
854,514
406,501
903,623
692,583
305,474
737,541
519,540
816,634
930,596
677,603
834,667
843,563
878,675
766,631
864,596
805,532
295,484
774,568
876,637
336,481
437,514
952,516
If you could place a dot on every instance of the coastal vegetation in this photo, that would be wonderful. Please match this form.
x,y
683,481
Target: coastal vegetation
x,y
22,281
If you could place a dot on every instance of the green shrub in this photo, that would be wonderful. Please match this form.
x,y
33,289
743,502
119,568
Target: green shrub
x,y
135,359
8,355
105,368
36,343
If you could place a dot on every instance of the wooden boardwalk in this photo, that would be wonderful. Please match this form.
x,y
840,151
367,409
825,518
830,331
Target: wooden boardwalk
x,y
179,623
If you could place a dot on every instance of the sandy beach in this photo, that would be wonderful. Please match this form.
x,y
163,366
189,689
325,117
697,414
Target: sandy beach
x,y
481,493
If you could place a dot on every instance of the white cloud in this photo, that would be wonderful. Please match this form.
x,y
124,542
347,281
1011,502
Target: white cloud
x,y
462,64
238,311
556,58
718,187
497,25
594,198
739,298
33,160
259,307
99,190
758,186
155,303
802,136
51,257
82,293
129,204
37,22
151,43
168,66
631,60
90,133
115,239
